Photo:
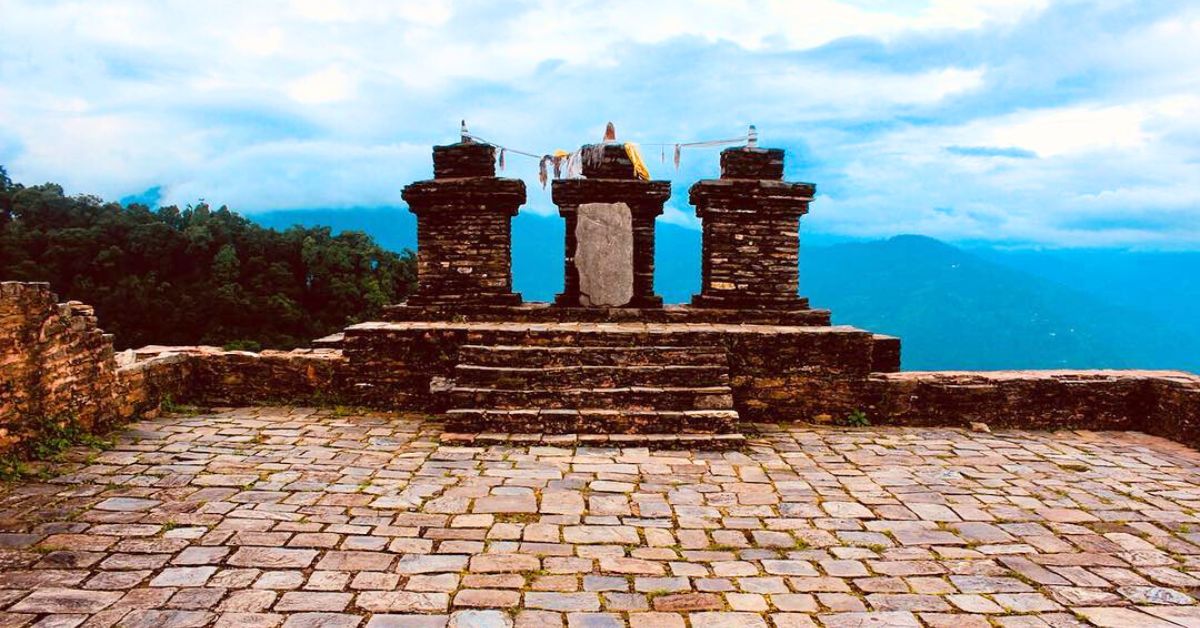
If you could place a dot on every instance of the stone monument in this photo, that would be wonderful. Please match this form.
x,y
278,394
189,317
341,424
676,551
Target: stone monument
x,y
464,228
751,232
609,217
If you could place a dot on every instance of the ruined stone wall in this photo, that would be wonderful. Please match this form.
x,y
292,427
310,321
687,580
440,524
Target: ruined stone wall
x,y
55,364
144,385
210,376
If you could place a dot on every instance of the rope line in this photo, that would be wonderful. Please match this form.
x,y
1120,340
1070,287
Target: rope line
x,y
507,149
697,144
559,158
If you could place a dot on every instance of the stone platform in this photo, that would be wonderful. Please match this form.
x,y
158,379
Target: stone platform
x,y
295,517
604,378
535,312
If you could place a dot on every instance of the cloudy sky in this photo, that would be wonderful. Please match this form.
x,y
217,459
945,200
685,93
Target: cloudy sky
x,y
1050,122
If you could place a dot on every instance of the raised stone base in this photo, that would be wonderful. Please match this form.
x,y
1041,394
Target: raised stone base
x,y
743,303
553,313
771,369
453,302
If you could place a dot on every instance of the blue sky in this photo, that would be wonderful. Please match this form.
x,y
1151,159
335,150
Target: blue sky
x,y
1016,122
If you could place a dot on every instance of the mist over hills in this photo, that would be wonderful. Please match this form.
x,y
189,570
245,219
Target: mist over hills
x,y
982,308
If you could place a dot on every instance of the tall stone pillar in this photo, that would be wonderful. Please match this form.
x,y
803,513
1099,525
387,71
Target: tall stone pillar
x,y
751,233
609,231
464,228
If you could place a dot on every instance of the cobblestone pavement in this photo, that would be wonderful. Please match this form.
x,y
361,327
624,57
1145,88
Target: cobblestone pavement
x,y
301,518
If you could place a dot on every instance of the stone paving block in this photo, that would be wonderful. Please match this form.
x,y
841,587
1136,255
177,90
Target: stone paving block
x,y
402,602
65,601
317,526
562,602
431,563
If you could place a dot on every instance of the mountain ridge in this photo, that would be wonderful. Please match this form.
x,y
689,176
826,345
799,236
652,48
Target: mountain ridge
x,y
952,307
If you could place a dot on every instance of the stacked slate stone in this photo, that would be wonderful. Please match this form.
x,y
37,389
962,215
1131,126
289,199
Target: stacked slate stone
x,y
751,237
464,228
610,178
465,159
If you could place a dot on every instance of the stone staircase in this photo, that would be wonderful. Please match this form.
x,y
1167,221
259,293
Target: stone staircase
x,y
578,388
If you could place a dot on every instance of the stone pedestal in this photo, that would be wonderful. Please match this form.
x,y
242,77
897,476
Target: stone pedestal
x,y
464,228
751,233
609,232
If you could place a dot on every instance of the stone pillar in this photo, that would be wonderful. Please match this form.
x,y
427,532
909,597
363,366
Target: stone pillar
x,y
609,231
751,233
464,228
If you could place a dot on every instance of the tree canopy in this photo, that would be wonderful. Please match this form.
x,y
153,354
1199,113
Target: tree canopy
x,y
195,275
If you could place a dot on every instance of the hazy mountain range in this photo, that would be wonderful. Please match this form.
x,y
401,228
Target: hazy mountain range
x,y
969,308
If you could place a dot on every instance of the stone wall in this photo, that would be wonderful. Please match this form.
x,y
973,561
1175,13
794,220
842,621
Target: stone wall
x,y
211,376
1117,400
55,364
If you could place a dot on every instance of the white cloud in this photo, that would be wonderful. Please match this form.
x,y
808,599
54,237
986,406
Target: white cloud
x,y
323,86
335,102
1070,130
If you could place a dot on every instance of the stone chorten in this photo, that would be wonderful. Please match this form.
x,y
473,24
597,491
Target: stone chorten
x,y
464,227
751,232
609,218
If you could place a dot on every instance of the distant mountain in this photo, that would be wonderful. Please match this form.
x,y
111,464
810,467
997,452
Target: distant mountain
x,y
978,309
1163,284
957,310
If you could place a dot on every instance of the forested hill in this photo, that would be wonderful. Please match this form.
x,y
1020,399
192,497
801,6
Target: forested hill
x,y
195,275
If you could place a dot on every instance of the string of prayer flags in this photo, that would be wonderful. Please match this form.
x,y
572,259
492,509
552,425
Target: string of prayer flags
x,y
570,164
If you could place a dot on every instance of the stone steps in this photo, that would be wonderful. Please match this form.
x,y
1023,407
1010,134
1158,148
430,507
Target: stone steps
x,y
519,356
636,398
676,442
590,376
592,421
712,337
624,386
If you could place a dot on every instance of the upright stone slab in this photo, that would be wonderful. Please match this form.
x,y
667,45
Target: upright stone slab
x,y
609,232
751,233
464,228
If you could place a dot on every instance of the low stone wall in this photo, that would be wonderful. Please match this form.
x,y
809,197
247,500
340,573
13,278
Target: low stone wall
x,y
1023,399
212,376
1163,403
57,365
1174,408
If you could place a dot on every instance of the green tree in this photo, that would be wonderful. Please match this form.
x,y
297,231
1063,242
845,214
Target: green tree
x,y
195,275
